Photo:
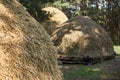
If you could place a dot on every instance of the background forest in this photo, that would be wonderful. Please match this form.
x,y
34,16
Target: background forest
x,y
104,12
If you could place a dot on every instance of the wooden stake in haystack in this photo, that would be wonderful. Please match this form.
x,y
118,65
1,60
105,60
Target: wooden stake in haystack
x,y
81,37
26,52
57,18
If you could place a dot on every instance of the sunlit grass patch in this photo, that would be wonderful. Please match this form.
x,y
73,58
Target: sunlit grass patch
x,y
117,49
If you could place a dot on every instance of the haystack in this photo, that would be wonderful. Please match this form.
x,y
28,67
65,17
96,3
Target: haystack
x,y
26,52
57,15
49,26
57,18
81,37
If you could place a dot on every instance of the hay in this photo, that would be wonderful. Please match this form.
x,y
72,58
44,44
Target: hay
x,y
57,18
81,37
26,52
57,15
49,26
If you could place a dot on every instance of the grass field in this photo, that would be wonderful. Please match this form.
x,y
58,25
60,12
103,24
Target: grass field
x,y
108,70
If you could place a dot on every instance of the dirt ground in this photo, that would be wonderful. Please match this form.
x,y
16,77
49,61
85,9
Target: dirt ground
x,y
110,70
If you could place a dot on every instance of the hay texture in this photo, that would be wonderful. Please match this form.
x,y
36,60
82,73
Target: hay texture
x,y
26,52
49,26
57,18
80,37
57,15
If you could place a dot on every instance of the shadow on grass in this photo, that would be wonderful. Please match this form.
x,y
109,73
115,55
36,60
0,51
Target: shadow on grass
x,y
81,72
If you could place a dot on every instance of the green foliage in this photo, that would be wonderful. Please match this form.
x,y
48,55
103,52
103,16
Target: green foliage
x,y
60,5
34,8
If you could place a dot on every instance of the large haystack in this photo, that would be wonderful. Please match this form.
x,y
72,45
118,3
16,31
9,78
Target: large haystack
x,y
57,15
57,18
26,52
82,37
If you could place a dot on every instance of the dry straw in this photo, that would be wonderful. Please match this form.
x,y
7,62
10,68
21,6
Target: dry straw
x,y
57,15
49,26
80,37
57,18
26,52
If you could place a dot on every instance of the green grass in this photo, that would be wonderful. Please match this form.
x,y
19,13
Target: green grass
x,y
117,49
89,72
84,72
92,72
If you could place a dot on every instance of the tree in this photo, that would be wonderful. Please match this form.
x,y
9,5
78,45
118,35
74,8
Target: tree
x,y
113,19
34,8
